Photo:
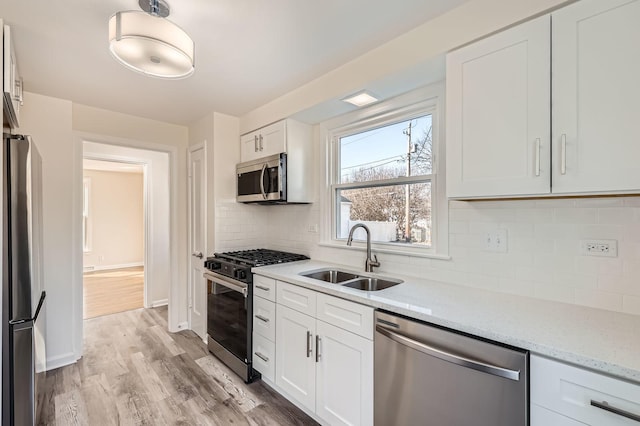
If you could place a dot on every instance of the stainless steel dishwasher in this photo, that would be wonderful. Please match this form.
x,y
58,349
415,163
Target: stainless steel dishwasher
x,y
432,376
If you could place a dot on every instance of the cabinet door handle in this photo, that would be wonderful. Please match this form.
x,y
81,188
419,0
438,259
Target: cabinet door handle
x,y
261,318
255,143
563,154
261,147
262,357
308,344
317,348
604,405
537,148
263,288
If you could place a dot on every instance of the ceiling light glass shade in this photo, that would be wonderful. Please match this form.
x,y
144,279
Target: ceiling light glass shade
x,y
151,45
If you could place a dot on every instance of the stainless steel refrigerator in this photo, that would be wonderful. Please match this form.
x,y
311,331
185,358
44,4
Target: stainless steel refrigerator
x,y
23,295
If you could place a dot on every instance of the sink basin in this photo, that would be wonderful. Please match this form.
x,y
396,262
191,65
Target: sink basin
x,y
333,276
372,284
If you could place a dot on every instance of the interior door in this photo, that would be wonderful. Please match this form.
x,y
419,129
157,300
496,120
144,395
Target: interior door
x,y
197,238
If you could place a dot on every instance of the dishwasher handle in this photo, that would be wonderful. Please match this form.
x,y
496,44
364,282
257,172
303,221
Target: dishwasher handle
x,y
449,357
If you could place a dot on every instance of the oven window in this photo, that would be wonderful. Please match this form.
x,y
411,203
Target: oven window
x,y
227,319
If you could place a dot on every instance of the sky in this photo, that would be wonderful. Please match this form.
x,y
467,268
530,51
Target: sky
x,y
382,147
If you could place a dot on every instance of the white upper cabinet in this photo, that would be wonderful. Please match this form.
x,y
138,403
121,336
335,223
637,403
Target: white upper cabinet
x,y
288,136
572,75
596,112
267,141
498,114
12,82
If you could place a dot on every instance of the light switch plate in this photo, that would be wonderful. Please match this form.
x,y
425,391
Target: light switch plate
x,y
495,241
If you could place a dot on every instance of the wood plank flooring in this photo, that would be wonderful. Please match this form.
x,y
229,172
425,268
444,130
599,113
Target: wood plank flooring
x,y
134,372
117,290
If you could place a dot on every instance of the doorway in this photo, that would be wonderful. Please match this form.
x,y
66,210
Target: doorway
x,y
113,237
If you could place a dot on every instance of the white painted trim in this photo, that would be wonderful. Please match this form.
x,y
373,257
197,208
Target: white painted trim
x,y
77,264
109,267
62,360
158,303
191,150
181,326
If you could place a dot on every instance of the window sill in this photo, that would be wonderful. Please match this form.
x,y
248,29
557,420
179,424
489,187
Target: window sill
x,y
416,252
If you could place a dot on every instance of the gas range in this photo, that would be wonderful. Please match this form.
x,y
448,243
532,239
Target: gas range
x,y
238,264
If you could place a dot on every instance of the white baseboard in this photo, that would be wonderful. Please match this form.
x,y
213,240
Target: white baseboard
x,y
161,302
61,360
183,326
92,268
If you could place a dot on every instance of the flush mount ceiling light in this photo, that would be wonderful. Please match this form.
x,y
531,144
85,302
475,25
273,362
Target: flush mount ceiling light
x,y
148,43
360,99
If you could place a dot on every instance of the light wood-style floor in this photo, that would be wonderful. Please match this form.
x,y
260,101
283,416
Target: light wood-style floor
x,y
117,290
134,372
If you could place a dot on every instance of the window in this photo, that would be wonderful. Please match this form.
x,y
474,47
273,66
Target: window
x,y
383,174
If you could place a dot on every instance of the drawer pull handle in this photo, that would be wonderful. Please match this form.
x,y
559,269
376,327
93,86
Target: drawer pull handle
x,y
261,318
604,405
262,357
263,288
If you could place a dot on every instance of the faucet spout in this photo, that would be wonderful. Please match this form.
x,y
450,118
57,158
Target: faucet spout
x,y
371,262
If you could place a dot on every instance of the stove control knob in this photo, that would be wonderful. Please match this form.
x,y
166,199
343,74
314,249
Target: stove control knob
x,y
241,275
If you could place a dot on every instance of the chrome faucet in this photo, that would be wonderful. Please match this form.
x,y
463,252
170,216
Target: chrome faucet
x,y
370,263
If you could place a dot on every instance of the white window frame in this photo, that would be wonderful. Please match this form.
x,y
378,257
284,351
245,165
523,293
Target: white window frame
x,y
423,101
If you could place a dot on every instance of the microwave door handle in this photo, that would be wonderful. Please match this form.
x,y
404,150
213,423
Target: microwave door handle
x,y
264,169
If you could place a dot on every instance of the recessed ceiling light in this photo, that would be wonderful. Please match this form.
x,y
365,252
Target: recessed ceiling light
x,y
361,99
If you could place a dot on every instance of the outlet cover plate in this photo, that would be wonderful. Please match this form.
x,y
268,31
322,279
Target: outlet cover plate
x,y
495,241
602,248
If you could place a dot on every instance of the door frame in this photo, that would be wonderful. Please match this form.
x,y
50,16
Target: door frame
x,y
175,262
205,249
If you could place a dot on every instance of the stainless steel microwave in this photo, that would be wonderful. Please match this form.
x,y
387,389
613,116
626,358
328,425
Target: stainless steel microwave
x,y
263,180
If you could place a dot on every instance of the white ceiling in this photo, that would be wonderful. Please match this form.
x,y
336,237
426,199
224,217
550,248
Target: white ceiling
x,y
247,52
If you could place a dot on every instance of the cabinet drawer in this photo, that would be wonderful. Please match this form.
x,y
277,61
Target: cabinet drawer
x,y
297,298
347,315
264,318
264,357
571,391
264,287
542,417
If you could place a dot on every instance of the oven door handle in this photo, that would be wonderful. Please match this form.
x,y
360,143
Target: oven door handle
x,y
240,287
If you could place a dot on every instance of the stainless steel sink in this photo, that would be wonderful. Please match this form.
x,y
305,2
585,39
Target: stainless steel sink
x,y
371,284
333,276
348,279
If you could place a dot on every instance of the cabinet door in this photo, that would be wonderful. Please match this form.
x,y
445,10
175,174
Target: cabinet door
x,y
272,139
596,64
295,360
498,107
249,147
344,376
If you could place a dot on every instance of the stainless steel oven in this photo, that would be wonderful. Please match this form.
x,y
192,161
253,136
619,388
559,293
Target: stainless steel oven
x,y
263,180
229,323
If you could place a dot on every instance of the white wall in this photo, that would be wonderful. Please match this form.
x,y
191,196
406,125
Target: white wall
x,y
58,126
116,212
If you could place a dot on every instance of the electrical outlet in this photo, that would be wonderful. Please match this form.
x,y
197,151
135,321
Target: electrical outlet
x,y
605,248
495,241
313,228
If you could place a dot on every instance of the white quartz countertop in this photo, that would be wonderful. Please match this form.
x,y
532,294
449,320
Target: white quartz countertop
x,y
604,341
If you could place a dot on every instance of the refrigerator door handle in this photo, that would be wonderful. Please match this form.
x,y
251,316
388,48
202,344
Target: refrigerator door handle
x,y
43,295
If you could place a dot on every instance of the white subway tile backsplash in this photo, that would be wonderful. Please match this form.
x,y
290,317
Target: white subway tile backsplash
x,y
543,258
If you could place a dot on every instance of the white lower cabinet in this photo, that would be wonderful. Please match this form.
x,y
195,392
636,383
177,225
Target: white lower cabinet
x,y
562,395
295,363
344,376
323,354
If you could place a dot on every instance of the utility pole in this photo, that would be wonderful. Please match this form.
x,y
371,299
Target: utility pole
x,y
407,190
